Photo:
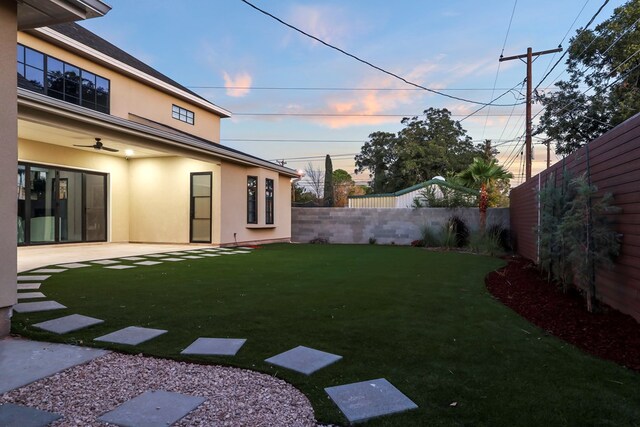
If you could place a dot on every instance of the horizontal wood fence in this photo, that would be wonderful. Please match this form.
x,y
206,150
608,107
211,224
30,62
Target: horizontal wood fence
x,y
613,162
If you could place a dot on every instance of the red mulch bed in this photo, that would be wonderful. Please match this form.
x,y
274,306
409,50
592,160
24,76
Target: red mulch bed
x,y
608,334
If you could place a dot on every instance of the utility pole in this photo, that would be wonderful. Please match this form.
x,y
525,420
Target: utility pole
x,y
529,56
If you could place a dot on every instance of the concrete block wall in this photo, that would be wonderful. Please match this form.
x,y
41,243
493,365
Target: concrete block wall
x,y
399,226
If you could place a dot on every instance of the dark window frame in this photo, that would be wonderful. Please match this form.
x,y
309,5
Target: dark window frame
x,y
192,208
269,193
252,200
183,115
96,104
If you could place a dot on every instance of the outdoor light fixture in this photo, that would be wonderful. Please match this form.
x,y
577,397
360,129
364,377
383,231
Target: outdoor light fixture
x,y
128,153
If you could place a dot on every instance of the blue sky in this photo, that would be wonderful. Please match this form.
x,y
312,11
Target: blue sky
x,y
454,46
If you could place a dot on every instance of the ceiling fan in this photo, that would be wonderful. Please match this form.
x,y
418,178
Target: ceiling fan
x,y
98,146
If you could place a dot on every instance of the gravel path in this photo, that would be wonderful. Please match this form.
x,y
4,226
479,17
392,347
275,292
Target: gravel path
x,y
235,397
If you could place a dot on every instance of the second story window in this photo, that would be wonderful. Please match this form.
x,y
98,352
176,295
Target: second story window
x,y
58,79
182,114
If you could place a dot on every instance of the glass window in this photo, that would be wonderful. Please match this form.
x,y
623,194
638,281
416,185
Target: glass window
x,y
201,207
62,81
268,196
182,114
252,200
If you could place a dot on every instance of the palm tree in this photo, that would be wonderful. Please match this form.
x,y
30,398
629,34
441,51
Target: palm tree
x,y
482,173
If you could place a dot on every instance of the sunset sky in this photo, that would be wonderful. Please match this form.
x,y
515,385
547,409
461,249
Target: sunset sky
x,y
257,68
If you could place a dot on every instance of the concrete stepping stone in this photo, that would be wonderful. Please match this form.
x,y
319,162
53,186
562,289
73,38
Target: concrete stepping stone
x,y
154,408
133,258
63,325
368,399
304,359
215,346
24,416
173,259
245,248
148,263
242,252
32,307
30,295
26,361
120,267
192,257
105,262
132,335
49,270
211,250
224,249
32,278
227,253
176,253
74,265
210,255
29,286
157,255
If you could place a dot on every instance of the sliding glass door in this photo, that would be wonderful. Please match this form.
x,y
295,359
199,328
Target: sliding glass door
x,y
60,205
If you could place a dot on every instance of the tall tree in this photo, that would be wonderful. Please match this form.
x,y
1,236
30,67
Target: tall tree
x,y
314,178
343,187
482,174
328,182
604,60
432,145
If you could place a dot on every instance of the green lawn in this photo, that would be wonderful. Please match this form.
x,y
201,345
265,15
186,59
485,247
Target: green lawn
x,y
423,320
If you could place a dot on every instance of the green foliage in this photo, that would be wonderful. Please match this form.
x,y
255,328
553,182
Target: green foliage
x,y
590,240
423,149
444,197
452,234
431,238
372,240
603,60
486,243
482,174
328,182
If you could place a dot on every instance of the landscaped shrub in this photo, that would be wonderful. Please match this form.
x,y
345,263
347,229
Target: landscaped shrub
x,y
431,238
418,243
372,240
486,243
502,236
460,231
319,241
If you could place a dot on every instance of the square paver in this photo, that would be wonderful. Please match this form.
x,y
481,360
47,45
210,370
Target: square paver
x,y
192,257
25,286
176,253
242,252
32,278
223,249
244,248
132,335
211,250
32,307
24,416
210,255
154,408
368,399
105,262
26,361
120,267
215,346
148,263
30,295
227,253
173,259
49,270
67,324
304,359
133,258
157,255
74,265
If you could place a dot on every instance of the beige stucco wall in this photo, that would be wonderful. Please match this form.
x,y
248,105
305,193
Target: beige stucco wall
x,y
234,209
8,137
116,167
160,198
132,96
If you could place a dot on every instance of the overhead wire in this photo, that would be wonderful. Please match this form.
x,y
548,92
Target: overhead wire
x,y
344,52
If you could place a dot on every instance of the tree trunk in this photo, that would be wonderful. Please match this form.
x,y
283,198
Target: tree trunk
x,y
483,207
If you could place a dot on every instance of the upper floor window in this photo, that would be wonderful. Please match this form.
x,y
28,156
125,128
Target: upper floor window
x,y
58,79
268,195
182,114
252,200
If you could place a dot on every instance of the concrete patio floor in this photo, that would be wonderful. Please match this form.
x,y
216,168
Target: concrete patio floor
x,y
31,257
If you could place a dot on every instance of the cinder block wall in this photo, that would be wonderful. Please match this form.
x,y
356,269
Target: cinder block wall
x,y
399,226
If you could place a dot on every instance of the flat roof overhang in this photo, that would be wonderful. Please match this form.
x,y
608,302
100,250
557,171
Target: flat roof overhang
x,y
43,110
40,13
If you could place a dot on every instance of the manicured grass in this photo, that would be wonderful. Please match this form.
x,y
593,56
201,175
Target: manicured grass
x,y
423,320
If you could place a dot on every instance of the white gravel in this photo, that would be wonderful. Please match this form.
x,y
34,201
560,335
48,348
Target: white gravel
x,y
235,397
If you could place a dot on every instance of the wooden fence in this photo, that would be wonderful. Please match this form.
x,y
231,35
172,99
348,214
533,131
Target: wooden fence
x,y
613,161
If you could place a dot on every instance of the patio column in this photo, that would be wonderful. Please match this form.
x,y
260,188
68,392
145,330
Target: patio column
x,y
8,161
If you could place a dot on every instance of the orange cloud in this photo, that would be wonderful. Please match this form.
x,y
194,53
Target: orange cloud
x,y
242,80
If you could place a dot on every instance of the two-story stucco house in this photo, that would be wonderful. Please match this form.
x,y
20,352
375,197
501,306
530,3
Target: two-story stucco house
x,y
111,150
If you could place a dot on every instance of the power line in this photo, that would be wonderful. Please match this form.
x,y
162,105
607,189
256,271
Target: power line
x,y
444,89
567,50
264,12
354,114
